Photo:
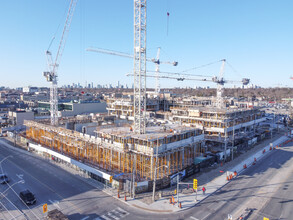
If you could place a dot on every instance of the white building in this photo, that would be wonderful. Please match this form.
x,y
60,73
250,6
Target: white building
x,y
17,117
29,89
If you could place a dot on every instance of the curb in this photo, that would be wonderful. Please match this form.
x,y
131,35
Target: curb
x,y
287,140
262,156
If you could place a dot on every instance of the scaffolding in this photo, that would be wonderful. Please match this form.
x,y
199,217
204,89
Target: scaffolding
x,y
216,122
118,150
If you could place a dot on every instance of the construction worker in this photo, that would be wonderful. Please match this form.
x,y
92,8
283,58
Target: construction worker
x,y
203,190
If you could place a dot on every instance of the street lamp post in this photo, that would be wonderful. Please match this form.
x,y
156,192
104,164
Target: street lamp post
x,y
133,176
155,176
9,186
154,186
225,140
9,156
233,143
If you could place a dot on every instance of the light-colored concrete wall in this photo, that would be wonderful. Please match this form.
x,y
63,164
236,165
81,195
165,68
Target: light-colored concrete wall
x,y
21,116
81,108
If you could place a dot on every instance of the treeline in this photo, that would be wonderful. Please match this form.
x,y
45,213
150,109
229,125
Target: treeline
x,y
270,94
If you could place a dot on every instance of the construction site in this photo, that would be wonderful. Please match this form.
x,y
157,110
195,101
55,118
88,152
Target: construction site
x,y
117,150
160,137
218,123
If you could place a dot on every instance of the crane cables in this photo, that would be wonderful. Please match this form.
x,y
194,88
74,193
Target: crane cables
x,y
201,66
181,74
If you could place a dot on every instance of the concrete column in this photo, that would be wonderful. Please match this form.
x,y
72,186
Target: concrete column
x,y
111,159
119,161
168,163
152,167
182,151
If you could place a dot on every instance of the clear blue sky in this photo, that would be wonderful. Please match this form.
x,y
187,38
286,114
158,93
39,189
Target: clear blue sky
x,y
255,36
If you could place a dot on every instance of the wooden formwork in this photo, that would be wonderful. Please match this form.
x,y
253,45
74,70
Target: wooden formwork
x,y
115,161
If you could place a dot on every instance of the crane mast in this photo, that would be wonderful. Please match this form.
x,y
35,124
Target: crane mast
x,y
220,84
157,89
156,61
52,75
139,67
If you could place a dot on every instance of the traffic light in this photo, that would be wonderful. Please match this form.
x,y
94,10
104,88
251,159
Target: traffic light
x,y
194,183
111,179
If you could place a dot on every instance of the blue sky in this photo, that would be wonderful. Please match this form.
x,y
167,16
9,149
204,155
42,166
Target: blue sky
x,y
255,36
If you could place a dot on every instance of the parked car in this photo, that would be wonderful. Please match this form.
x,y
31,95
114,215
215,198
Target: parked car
x,y
27,197
4,178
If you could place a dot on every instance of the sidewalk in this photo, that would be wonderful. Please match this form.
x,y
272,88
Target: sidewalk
x,y
213,180
187,197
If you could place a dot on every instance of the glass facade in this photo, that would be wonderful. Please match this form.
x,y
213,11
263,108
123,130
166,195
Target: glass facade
x,y
61,106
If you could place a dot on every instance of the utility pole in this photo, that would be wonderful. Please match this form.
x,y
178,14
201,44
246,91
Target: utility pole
x,y
14,134
225,140
155,176
273,124
233,139
133,176
178,189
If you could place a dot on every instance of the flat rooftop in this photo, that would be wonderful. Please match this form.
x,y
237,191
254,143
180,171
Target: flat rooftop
x,y
152,133
210,109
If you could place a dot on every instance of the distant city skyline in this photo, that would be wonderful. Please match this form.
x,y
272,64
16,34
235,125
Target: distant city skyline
x,y
254,37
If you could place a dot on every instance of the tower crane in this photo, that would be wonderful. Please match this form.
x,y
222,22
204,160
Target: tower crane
x,y
215,79
53,65
220,84
139,66
156,61
218,80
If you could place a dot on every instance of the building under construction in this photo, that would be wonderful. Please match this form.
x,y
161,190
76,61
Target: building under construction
x,y
117,150
219,123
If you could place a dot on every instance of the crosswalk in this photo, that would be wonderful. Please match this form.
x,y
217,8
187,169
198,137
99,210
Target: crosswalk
x,y
114,214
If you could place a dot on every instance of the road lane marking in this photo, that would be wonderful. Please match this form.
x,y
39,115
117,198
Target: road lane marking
x,y
105,217
117,213
55,203
85,218
193,218
113,216
20,176
217,205
124,213
44,184
206,216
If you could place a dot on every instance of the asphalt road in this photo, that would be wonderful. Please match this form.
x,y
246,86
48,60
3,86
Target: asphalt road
x,y
54,186
266,188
